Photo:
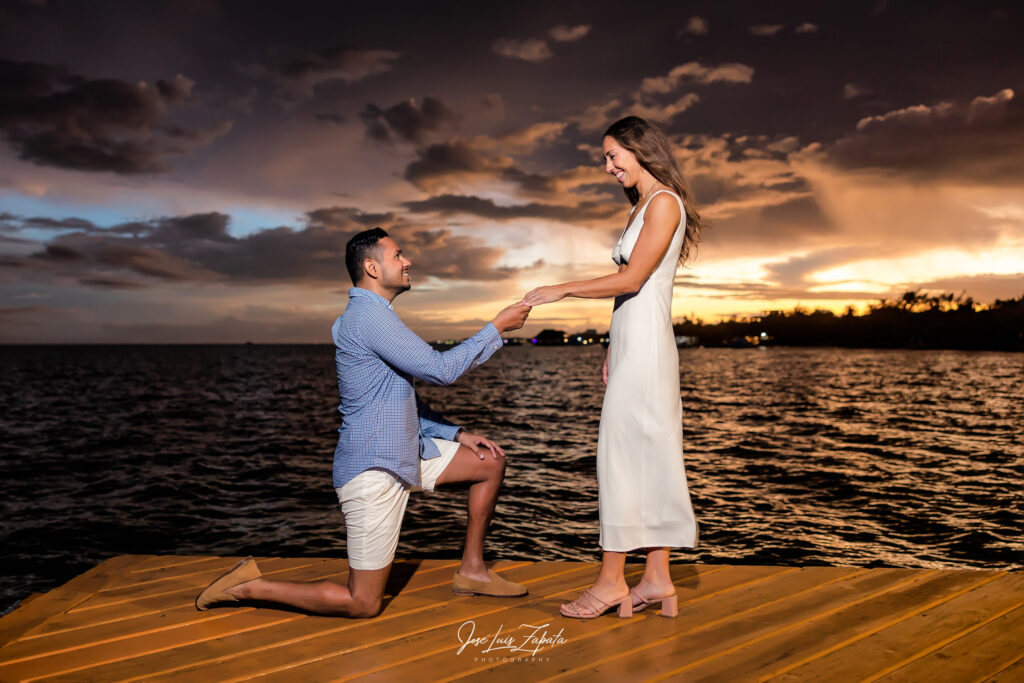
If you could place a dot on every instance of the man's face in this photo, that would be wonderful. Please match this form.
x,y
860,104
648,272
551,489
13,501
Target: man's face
x,y
394,267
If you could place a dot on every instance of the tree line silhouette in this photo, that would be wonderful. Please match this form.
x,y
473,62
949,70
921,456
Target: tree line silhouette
x,y
914,320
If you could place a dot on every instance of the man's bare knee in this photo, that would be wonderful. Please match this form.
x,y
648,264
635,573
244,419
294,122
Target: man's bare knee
x,y
364,607
496,468
334,599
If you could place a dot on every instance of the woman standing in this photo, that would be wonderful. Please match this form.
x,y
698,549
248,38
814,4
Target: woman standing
x,y
642,495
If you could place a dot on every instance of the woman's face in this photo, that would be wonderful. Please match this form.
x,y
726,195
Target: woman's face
x,y
621,163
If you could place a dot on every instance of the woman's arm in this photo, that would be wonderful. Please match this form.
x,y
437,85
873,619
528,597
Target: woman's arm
x,y
660,221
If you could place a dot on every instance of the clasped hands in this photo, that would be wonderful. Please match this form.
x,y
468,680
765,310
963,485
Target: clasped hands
x,y
544,295
513,317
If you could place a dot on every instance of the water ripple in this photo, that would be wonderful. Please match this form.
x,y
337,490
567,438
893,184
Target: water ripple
x,y
794,456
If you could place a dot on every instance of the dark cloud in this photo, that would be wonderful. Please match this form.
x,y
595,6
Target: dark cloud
x,y
150,261
803,213
787,224
983,288
345,217
199,248
300,73
456,162
45,223
976,143
111,283
765,291
54,117
449,204
8,312
447,159
59,252
332,118
197,228
406,120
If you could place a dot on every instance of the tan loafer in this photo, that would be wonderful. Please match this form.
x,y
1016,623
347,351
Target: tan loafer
x,y
243,572
496,587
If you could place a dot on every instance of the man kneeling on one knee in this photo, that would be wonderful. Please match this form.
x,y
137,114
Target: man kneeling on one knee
x,y
390,443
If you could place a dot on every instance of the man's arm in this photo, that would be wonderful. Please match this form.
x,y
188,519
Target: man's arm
x,y
433,424
388,337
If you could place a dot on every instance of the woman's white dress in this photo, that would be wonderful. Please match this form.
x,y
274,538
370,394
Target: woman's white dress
x,y
642,493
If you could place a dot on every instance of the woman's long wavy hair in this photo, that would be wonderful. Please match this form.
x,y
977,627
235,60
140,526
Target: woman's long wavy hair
x,y
652,149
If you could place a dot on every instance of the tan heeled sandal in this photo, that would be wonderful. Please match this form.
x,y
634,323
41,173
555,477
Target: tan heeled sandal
x,y
669,603
589,606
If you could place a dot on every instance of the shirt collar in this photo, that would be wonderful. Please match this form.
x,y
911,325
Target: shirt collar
x,y
353,292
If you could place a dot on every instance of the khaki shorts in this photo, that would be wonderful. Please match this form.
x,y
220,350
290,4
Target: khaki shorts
x,y
373,504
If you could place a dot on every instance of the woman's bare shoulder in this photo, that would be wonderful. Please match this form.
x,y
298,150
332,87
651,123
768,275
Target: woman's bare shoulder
x,y
663,204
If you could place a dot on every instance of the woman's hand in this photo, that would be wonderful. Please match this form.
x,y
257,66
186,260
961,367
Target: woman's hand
x,y
544,295
604,369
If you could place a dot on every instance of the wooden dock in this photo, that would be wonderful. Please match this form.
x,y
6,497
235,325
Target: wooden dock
x,y
132,618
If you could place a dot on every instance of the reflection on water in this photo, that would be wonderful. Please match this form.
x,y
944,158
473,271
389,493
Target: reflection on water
x,y
794,456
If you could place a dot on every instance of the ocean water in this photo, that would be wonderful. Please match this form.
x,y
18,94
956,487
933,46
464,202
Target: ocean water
x,y
794,456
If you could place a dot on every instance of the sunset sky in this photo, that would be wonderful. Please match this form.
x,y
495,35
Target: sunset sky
x,y
189,171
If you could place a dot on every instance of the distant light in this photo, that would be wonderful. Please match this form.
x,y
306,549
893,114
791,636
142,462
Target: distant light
x,y
534,340
565,340
579,338
764,334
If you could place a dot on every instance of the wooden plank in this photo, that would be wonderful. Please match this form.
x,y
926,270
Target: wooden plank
x,y
27,617
882,628
66,641
1013,673
117,595
436,630
251,645
589,640
173,572
788,642
335,570
639,650
54,664
156,562
353,643
157,604
736,623
975,654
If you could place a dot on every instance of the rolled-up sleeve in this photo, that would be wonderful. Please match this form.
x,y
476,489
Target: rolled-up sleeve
x,y
433,424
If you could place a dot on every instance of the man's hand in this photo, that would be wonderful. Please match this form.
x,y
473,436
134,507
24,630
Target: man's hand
x,y
480,445
604,369
511,318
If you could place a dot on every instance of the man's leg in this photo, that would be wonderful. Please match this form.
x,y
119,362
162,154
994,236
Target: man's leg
x,y
361,598
373,505
484,478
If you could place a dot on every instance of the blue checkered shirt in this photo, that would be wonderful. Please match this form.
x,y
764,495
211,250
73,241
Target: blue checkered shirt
x,y
384,423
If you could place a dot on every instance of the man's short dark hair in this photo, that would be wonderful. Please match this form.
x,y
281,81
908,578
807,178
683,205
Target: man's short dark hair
x,y
361,247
